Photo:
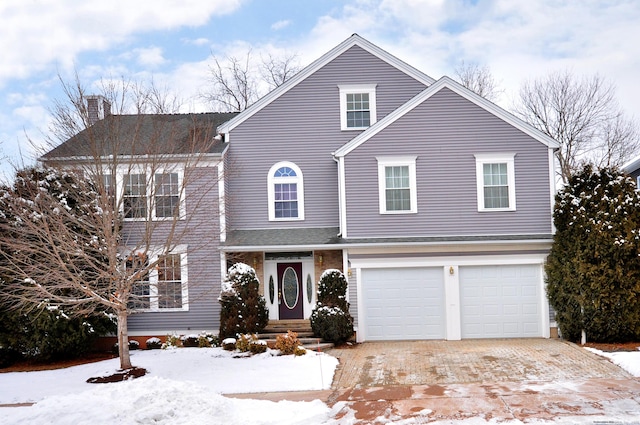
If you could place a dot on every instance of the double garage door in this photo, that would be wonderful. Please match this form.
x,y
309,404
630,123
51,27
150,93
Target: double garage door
x,y
501,301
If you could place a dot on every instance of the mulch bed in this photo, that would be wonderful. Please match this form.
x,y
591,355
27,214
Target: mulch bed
x,y
613,347
121,375
31,366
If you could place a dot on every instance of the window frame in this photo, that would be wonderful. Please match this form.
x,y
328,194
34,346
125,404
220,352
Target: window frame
x,y
272,181
496,158
153,257
397,161
369,89
151,191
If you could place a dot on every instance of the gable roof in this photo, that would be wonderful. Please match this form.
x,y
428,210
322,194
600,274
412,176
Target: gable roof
x,y
130,135
631,166
354,40
446,82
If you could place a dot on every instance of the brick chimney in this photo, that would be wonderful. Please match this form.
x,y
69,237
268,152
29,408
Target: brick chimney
x,y
98,107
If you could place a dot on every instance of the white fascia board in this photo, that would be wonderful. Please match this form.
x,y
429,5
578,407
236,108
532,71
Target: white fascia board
x,y
430,91
354,40
632,165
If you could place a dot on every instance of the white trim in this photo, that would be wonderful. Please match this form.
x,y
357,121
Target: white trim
x,y
552,187
397,161
369,89
497,158
298,180
354,40
446,82
222,218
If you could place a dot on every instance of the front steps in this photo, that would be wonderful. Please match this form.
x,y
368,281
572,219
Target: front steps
x,y
301,327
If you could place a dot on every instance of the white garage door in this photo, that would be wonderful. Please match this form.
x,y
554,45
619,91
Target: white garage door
x,y
403,303
500,301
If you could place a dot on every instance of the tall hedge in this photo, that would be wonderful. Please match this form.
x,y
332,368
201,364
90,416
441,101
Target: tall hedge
x,y
593,270
243,309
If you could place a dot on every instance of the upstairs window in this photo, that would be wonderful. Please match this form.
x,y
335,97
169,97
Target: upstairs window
x,y
495,179
135,195
397,185
357,106
286,192
167,195
142,198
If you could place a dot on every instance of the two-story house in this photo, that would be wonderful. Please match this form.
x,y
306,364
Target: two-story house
x,y
436,204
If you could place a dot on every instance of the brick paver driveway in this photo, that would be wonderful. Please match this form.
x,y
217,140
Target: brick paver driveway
x,y
374,364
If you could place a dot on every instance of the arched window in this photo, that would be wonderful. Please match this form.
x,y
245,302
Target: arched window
x,y
286,192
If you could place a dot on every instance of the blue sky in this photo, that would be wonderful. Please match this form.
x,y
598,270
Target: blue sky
x,y
172,41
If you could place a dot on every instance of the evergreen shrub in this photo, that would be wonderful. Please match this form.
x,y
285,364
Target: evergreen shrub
x,y
243,309
593,269
330,319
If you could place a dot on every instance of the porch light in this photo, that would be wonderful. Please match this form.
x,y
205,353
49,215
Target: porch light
x,y
320,259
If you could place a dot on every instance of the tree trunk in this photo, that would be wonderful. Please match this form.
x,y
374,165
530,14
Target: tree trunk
x,y
123,340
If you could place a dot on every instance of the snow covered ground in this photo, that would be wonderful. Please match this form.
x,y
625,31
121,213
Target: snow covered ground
x,y
184,386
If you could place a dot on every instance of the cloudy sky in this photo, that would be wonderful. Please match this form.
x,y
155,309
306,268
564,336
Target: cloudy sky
x,y
173,42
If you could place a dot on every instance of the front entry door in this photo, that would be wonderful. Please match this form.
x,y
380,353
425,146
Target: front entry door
x,y
290,297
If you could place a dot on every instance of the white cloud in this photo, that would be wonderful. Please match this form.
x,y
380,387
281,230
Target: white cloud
x,y
34,34
150,56
280,25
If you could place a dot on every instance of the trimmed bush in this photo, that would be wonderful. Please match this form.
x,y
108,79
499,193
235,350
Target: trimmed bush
x,y
229,344
258,346
153,343
190,341
332,324
244,310
330,319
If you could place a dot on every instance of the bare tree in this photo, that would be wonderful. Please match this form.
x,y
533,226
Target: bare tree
x,y
122,253
277,70
236,83
582,114
477,79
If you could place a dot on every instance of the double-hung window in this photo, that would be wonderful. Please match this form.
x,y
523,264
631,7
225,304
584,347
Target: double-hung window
x,y
160,198
397,185
162,287
495,178
357,106
134,199
285,192
167,195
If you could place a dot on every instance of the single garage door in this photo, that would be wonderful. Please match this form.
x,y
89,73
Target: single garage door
x,y
500,301
403,303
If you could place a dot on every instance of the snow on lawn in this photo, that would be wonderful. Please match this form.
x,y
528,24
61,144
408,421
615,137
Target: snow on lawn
x,y
628,360
182,386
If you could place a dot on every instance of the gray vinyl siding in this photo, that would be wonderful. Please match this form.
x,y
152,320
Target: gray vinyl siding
x,y
200,232
445,132
303,126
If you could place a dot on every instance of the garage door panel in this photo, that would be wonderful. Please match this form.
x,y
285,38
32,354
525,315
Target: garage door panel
x,y
509,301
409,303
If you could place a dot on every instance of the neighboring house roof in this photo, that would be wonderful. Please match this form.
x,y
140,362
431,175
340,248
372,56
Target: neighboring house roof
x,y
446,82
130,135
354,40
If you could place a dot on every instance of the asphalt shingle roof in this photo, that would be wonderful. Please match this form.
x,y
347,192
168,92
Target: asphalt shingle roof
x,y
145,134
